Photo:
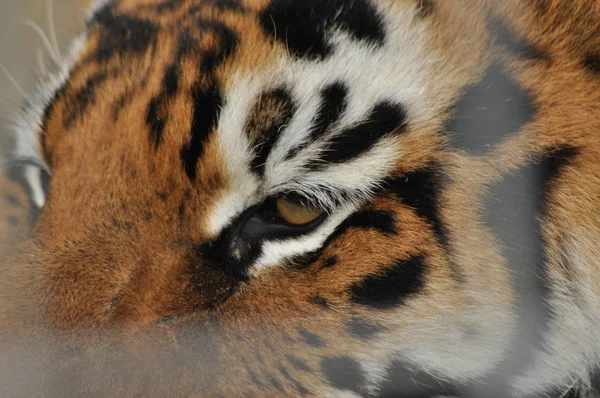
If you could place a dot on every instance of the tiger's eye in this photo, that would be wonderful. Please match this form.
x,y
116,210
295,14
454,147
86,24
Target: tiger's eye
x,y
297,214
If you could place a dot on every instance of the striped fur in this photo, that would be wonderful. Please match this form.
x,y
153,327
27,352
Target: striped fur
x,y
452,147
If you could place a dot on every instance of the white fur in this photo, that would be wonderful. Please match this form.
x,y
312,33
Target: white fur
x,y
572,340
27,127
395,72
275,251
243,189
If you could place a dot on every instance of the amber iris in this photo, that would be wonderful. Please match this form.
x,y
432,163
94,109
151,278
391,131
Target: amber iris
x,y
296,213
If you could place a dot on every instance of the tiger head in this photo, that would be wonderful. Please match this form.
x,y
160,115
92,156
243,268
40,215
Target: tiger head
x,y
252,197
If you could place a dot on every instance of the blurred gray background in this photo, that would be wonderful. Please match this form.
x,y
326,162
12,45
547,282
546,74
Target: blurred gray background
x,y
19,45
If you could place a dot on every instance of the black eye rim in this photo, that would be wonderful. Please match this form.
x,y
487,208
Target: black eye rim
x,y
247,234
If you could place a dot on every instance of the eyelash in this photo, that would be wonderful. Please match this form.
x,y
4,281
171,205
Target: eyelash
x,y
305,199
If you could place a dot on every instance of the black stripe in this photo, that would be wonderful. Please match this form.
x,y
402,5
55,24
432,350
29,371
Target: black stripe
x,y
165,320
207,98
425,8
207,103
46,118
595,380
385,118
156,119
489,112
187,44
275,383
318,300
222,5
266,131
330,262
252,374
124,100
101,13
171,79
505,36
259,357
45,180
12,200
157,114
311,339
344,373
421,189
168,6
113,304
391,286
224,48
121,34
362,328
298,363
333,105
403,381
552,164
591,62
79,102
299,387
378,220
302,26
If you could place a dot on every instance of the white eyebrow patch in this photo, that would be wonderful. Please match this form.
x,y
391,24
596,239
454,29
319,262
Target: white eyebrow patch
x,y
395,72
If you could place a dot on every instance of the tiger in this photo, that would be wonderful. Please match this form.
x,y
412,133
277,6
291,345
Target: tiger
x,y
329,198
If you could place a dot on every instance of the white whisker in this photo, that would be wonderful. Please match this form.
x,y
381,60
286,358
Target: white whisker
x,y
52,27
41,62
45,40
12,79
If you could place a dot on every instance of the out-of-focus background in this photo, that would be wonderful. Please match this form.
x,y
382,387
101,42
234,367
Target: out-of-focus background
x,y
19,44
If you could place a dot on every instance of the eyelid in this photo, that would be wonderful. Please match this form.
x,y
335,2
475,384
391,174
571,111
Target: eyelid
x,y
295,215
297,198
303,199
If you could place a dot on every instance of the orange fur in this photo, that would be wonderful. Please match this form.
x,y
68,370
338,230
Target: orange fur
x,y
98,297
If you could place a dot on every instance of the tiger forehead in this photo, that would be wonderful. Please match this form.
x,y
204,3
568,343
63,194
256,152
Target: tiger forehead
x,y
145,59
182,70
